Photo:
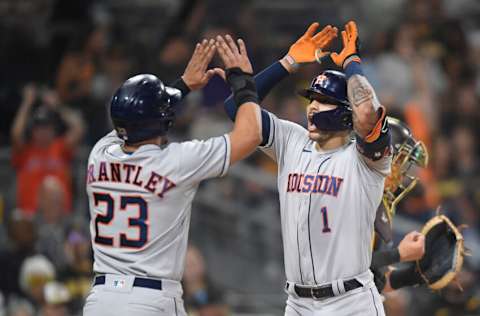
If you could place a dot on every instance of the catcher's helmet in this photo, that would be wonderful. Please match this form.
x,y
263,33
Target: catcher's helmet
x,y
142,108
330,87
407,153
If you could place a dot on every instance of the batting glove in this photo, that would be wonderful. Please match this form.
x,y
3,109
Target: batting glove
x,y
350,51
308,48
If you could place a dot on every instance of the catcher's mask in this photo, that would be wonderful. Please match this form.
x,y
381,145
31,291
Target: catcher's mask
x,y
407,153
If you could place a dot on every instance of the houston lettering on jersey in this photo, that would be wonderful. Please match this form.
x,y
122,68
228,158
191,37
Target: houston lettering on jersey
x,y
314,183
128,173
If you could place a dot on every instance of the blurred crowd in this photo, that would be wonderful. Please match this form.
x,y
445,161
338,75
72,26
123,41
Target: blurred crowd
x,y
61,61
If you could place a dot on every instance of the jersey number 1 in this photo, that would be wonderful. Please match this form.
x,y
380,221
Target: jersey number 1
x,y
140,222
325,229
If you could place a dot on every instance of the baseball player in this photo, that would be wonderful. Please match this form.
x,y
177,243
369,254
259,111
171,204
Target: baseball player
x,y
433,257
407,153
329,184
140,187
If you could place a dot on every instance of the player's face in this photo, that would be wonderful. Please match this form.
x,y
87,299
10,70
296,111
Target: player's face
x,y
314,133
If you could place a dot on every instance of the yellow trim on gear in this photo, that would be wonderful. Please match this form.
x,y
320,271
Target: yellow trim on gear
x,y
458,256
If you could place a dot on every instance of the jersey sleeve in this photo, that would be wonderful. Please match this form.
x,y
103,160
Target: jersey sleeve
x,y
109,139
200,160
277,133
375,148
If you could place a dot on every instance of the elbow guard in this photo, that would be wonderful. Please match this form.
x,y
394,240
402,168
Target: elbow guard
x,y
376,145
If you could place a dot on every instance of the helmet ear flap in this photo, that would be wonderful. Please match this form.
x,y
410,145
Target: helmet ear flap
x,y
347,118
174,94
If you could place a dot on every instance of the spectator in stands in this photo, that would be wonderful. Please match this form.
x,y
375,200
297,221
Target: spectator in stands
x,y
465,149
77,276
292,108
200,296
401,58
51,221
35,272
173,57
20,308
112,71
78,67
442,162
22,245
43,152
461,107
56,298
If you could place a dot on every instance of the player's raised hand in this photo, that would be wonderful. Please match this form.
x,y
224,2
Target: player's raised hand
x,y
350,49
233,55
310,46
196,75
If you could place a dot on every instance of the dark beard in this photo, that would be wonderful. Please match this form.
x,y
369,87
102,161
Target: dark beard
x,y
323,136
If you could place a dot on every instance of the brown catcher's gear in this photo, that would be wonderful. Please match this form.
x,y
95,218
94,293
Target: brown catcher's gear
x,y
408,153
444,251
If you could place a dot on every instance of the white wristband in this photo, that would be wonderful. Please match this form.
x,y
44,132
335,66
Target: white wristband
x,y
289,59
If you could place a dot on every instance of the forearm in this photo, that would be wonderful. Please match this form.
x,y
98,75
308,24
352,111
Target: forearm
x,y
265,81
382,258
247,125
20,123
247,130
75,125
246,134
366,109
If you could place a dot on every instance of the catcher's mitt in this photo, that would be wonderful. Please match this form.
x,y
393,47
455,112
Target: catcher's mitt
x,y
444,251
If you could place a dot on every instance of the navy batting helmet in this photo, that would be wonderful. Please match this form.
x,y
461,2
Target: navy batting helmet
x,y
330,87
142,108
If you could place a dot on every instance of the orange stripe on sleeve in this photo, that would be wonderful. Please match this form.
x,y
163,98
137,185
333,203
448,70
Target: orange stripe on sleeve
x,y
375,133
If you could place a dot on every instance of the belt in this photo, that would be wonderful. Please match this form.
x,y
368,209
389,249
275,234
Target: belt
x,y
138,282
325,291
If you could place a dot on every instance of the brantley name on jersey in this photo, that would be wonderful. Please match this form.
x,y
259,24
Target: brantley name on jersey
x,y
130,174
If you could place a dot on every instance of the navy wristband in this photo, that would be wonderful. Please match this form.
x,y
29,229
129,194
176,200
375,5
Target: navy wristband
x,y
182,86
353,68
243,86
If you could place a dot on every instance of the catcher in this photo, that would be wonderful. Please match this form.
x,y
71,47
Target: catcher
x,y
433,256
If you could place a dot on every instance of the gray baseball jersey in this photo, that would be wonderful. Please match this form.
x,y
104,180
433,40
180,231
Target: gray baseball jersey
x,y
140,203
328,202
